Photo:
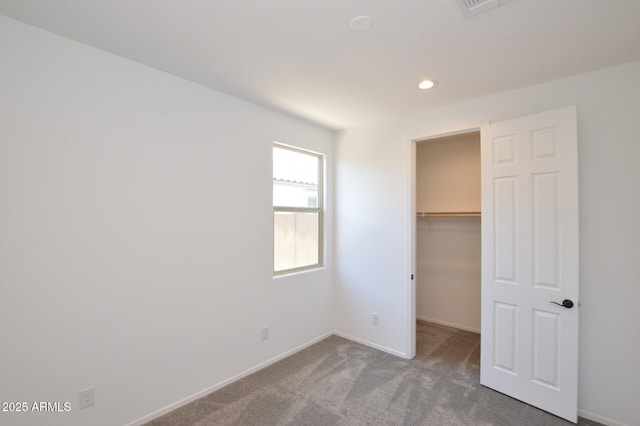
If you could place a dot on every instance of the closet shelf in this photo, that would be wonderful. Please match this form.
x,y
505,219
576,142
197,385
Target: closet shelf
x,y
448,214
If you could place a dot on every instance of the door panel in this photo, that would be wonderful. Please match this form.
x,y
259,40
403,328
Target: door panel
x,y
505,342
546,348
505,193
530,259
545,230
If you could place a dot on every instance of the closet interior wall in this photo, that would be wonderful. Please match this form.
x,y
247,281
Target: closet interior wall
x,y
448,245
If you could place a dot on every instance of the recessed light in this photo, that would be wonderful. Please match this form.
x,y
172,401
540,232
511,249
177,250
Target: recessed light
x,y
427,84
360,24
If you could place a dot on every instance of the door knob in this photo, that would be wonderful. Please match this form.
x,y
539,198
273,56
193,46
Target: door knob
x,y
566,303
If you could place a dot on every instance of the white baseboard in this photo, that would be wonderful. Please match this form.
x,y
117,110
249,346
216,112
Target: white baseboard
x,y
596,418
372,345
448,324
211,389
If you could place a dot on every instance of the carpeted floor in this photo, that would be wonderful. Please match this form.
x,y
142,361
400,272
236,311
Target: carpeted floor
x,y
339,382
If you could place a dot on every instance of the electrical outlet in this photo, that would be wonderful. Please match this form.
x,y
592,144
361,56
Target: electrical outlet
x,y
375,319
87,397
265,333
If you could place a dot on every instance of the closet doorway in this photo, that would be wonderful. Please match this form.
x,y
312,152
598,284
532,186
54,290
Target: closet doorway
x,y
448,238
529,250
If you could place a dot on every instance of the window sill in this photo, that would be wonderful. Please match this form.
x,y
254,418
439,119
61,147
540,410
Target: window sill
x,y
286,274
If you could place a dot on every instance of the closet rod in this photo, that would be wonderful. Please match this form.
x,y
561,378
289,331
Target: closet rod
x,y
448,214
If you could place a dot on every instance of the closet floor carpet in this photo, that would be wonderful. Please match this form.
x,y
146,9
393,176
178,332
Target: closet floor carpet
x,y
339,382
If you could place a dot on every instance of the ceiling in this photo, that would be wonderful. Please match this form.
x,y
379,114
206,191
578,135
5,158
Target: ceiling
x,y
300,56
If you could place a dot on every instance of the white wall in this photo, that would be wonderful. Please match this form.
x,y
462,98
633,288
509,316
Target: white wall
x,y
373,214
448,271
448,174
135,234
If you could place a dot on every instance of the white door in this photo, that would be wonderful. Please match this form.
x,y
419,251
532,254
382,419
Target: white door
x,y
529,346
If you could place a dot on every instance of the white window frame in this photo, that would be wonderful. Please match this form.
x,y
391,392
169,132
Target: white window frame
x,y
318,210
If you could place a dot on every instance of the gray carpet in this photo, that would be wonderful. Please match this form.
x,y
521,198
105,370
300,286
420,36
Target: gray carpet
x,y
339,382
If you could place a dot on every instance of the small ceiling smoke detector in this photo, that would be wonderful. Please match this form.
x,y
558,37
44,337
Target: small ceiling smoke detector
x,y
360,24
427,84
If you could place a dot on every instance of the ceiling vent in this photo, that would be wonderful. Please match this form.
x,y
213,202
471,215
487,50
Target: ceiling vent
x,y
476,7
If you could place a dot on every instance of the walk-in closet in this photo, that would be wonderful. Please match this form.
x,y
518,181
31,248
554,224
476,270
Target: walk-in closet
x,y
448,231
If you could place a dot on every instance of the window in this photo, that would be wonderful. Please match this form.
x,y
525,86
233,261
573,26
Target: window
x,y
297,209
